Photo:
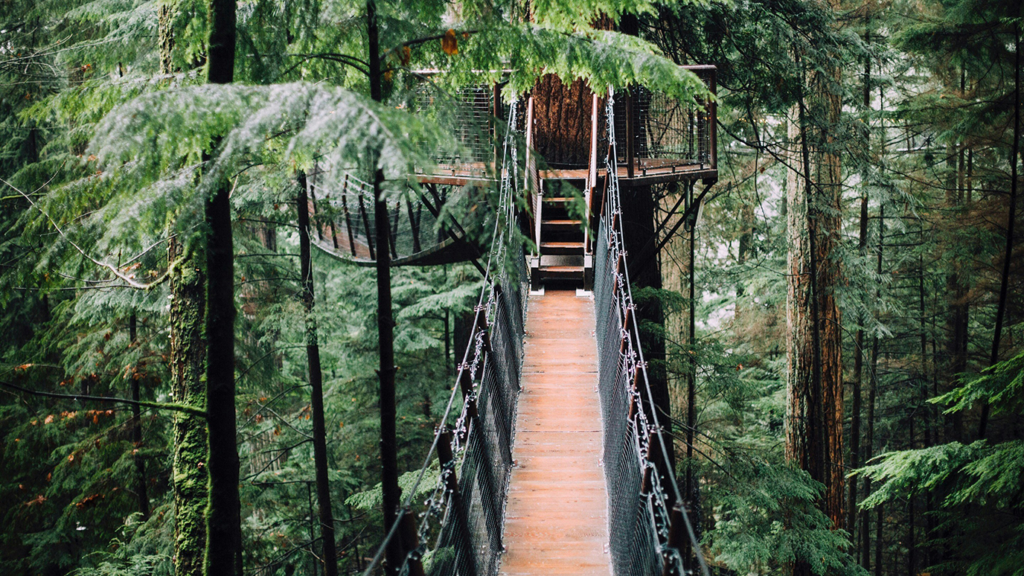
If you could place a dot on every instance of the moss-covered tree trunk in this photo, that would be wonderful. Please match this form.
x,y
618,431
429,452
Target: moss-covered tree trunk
x,y
188,360
223,515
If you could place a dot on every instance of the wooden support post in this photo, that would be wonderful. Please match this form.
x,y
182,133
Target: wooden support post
x,y
626,328
466,384
393,232
348,217
410,541
645,483
495,129
314,212
591,173
619,263
630,132
416,247
676,538
713,121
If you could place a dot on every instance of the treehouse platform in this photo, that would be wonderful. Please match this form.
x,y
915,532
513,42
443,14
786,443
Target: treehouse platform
x,y
658,140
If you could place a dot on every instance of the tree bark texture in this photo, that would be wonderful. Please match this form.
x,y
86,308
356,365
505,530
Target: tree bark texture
x,y
224,530
323,487
166,10
639,208
814,425
562,121
188,362
1004,280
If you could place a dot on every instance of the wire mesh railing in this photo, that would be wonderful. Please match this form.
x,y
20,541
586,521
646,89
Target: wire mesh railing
x,y
471,116
654,131
649,528
459,529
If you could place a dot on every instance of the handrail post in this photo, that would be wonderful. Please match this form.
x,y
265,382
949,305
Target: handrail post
x,y
447,460
411,542
630,131
676,529
466,384
348,217
713,120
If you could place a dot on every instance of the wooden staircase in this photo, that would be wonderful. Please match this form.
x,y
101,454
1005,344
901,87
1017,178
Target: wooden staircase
x,y
563,259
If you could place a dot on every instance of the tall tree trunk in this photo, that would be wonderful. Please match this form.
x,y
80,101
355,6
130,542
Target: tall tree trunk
x,y
188,363
814,411
1004,281
224,523
691,493
858,350
166,10
873,395
956,288
323,486
140,466
385,322
911,516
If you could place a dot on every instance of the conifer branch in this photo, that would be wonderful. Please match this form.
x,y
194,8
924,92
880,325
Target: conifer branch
x,y
113,269
192,410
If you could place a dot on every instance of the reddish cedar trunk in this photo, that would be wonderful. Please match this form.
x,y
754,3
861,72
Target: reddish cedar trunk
x,y
188,358
814,426
562,121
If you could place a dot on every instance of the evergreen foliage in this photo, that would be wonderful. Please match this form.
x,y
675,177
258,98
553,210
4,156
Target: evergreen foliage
x,y
111,144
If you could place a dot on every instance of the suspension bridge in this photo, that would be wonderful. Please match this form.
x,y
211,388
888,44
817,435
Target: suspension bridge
x,y
550,458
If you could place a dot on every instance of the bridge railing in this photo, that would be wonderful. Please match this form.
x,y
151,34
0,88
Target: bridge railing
x,y
650,530
458,529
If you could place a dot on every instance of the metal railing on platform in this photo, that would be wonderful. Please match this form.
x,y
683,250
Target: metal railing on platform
x,y
656,132
649,529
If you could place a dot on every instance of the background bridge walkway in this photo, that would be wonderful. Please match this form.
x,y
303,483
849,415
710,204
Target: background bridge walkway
x,y
556,521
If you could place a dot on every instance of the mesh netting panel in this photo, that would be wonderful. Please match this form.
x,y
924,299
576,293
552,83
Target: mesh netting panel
x,y
342,210
468,115
640,521
667,131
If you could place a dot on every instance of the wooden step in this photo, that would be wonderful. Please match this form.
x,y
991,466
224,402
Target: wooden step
x,y
561,272
563,225
558,199
561,247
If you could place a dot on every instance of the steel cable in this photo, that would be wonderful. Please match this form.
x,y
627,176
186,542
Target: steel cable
x,y
643,538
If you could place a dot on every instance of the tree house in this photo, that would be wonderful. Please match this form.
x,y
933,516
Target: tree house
x,y
658,140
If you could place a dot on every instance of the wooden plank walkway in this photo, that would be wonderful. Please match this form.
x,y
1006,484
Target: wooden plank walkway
x,y
556,521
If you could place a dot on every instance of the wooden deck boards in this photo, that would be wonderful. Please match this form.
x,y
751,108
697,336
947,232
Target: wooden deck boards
x,y
556,521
